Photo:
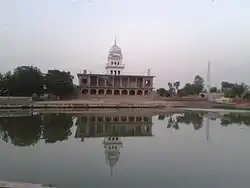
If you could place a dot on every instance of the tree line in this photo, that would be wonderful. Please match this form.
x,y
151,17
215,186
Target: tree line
x,y
230,90
197,120
29,81
194,88
51,128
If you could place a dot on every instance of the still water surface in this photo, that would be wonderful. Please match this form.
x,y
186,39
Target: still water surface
x,y
127,150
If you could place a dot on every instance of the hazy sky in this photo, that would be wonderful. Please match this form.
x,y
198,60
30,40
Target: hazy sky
x,y
174,38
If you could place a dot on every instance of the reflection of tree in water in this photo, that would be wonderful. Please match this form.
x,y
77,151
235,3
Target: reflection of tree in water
x,y
56,127
191,118
173,123
196,119
161,117
234,118
186,118
21,131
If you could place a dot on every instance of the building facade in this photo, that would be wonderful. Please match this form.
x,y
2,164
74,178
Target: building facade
x,y
114,82
115,124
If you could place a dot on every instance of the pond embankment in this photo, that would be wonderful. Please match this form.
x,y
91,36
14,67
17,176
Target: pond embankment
x,y
82,104
21,103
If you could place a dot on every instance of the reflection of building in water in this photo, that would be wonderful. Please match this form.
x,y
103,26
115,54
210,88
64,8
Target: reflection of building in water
x,y
104,125
113,127
19,113
112,147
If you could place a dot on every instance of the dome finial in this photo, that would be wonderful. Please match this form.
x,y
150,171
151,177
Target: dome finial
x,y
115,40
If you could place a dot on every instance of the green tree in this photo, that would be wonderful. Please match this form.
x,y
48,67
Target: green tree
x,y
171,88
6,84
193,89
172,123
239,89
24,81
198,80
198,84
162,92
232,90
214,89
226,85
59,83
191,118
1,80
187,90
161,117
176,85
1,84
229,93
246,95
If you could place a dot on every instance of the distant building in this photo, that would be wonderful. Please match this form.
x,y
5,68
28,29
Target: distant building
x,y
216,97
114,82
223,100
211,96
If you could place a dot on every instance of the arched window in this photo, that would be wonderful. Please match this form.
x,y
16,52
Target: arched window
x,y
93,92
115,63
111,72
115,72
119,72
118,63
111,62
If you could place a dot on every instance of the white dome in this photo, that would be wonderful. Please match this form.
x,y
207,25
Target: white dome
x,y
115,52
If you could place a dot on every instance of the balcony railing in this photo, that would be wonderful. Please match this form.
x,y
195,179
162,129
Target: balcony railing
x,y
115,66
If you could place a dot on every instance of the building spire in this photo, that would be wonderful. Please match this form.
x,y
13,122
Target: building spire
x,y
115,40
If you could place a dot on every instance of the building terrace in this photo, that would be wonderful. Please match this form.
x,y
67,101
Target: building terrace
x,y
104,84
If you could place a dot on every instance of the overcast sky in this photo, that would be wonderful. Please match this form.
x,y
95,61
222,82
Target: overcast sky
x,y
174,38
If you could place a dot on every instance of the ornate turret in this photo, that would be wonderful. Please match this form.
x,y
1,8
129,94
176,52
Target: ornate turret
x,y
114,65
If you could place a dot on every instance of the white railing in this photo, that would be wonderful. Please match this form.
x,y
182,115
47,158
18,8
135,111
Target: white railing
x,y
114,66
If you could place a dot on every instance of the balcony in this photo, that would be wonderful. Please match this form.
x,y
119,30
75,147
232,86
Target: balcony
x,y
109,66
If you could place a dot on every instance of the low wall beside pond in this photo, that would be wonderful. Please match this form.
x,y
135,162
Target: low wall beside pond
x,y
15,100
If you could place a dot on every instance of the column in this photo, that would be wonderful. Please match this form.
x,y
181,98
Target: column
x,y
113,81
97,81
87,127
120,82
95,127
128,82
89,78
103,126
136,82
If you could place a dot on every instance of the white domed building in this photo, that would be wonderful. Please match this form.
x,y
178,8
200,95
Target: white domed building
x,y
114,82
